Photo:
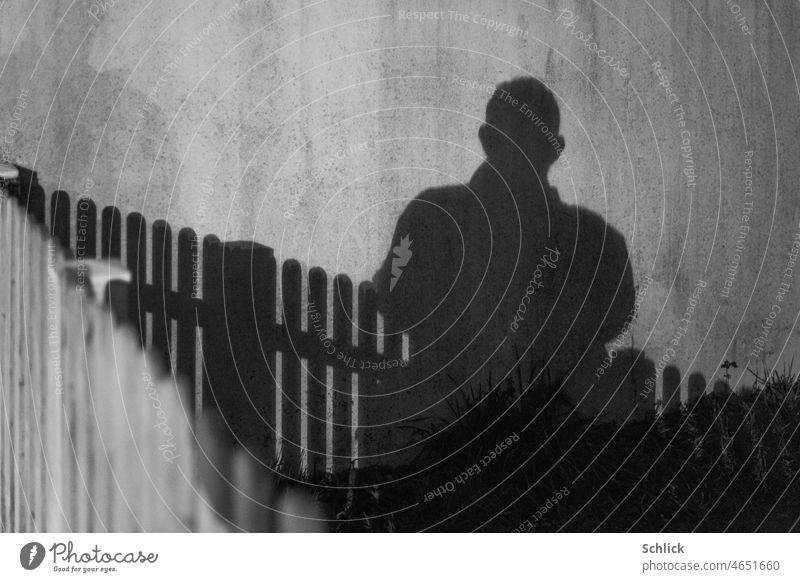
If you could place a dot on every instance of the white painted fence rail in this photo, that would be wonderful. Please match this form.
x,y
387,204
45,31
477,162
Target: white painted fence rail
x,y
92,439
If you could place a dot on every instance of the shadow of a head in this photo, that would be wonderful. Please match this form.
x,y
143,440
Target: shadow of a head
x,y
520,136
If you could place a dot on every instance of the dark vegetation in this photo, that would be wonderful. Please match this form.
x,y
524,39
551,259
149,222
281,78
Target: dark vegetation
x,y
725,461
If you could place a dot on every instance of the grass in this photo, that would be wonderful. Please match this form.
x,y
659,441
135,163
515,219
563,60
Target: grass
x,y
725,461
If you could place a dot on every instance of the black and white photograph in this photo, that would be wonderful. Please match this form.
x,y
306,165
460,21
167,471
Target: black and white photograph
x,y
399,266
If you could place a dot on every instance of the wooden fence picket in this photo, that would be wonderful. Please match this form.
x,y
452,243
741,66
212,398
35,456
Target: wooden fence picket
x,y
15,385
6,480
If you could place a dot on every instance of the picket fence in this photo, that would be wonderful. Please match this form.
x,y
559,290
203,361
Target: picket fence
x,y
293,356
92,436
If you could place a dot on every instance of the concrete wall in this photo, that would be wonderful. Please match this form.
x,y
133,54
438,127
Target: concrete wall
x,y
309,126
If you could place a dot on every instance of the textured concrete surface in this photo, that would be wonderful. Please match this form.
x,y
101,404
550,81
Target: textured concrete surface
x,y
309,127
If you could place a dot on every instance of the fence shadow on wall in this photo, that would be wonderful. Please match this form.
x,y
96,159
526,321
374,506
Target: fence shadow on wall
x,y
210,312
287,384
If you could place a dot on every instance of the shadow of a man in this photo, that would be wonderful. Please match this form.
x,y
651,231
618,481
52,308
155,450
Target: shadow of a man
x,y
483,274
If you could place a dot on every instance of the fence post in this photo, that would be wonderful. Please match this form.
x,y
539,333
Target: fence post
x,y
35,257
15,384
9,177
